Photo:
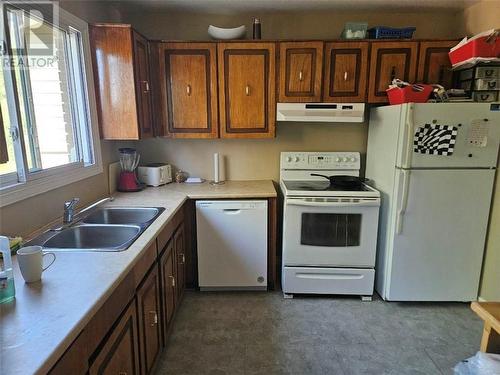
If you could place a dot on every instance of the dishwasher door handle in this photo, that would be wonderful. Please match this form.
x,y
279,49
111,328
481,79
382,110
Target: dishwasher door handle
x,y
231,211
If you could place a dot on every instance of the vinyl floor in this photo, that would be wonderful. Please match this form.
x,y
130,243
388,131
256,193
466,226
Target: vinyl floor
x,y
263,333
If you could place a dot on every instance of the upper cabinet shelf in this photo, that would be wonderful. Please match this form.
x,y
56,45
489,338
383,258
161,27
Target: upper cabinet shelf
x,y
121,74
230,89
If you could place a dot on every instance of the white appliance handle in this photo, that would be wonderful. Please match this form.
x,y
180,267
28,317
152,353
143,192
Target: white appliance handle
x,y
409,137
404,201
312,203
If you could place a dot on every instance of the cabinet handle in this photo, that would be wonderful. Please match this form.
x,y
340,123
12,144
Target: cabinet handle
x,y
183,259
154,320
188,90
146,86
247,90
393,73
301,76
488,72
172,280
345,76
492,84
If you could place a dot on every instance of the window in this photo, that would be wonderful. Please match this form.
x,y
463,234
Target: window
x,y
48,122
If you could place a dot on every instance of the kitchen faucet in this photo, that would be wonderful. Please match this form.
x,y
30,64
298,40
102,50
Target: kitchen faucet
x,y
69,210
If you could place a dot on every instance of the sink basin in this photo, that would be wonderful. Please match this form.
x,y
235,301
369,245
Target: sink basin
x,y
123,215
95,237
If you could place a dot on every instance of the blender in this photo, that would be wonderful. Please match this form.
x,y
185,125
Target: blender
x,y
129,160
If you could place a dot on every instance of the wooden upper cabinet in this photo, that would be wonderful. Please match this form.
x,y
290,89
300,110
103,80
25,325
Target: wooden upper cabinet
x,y
142,85
120,352
121,76
390,60
434,65
148,309
346,66
188,90
300,71
247,88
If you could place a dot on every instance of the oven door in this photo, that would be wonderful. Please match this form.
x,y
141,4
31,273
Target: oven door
x,y
335,232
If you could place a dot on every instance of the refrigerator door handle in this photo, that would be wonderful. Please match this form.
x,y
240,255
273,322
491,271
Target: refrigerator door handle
x,y
404,201
409,137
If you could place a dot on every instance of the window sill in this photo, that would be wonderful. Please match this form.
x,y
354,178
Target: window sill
x,y
32,188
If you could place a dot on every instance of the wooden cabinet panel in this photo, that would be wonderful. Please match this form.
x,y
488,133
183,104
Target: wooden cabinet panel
x,y
120,353
148,308
168,286
300,74
390,60
434,65
346,66
142,85
180,256
114,80
247,89
188,92
122,80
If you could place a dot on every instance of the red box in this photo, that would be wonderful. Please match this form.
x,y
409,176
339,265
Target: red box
x,y
408,94
475,48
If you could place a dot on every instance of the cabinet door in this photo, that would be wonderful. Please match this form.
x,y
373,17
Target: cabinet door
x,y
111,47
346,66
434,65
180,255
142,85
168,283
247,89
148,308
188,92
120,353
390,60
301,65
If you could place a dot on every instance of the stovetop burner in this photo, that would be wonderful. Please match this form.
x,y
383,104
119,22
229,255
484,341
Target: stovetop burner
x,y
321,186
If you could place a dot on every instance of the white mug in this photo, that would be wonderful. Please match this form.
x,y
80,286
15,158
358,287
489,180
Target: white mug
x,y
30,261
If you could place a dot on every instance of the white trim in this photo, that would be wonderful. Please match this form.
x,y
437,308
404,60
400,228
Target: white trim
x,y
20,191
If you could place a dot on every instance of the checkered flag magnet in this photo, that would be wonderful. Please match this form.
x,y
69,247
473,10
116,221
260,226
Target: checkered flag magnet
x,y
435,139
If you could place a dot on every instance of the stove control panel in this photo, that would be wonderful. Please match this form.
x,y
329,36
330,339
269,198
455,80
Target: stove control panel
x,y
320,160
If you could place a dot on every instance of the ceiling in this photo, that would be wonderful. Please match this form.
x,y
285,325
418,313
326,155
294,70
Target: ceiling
x,y
236,6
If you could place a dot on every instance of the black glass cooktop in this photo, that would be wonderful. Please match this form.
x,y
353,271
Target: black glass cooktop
x,y
321,186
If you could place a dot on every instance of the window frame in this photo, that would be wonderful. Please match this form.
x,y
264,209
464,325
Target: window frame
x,y
45,180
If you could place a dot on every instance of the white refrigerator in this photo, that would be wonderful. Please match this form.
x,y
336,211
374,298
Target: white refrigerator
x,y
435,166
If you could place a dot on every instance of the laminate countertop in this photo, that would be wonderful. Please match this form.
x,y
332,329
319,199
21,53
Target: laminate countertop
x,y
47,316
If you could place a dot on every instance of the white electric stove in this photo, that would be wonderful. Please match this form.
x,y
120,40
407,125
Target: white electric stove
x,y
329,231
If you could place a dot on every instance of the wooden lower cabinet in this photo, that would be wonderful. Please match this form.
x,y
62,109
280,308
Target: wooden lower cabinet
x,y
179,242
148,310
120,353
168,286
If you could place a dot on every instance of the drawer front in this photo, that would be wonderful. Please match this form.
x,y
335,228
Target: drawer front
x,y
487,84
485,96
318,280
488,72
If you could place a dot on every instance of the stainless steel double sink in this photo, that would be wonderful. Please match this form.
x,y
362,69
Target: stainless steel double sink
x,y
103,229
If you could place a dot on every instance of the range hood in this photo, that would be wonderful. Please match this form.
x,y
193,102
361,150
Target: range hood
x,y
320,112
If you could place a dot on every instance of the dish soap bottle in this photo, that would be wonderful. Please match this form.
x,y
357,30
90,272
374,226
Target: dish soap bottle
x,y
7,289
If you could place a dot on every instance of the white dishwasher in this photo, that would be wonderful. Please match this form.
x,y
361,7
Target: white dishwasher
x,y
232,244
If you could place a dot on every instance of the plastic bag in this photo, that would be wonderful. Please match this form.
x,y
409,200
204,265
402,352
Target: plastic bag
x,y
480,364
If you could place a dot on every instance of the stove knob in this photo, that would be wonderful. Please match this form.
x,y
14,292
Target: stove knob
x,y
346,160
353,159
297,159
338,160
288,159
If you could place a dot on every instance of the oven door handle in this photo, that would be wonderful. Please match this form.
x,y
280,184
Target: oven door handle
x,y
301,202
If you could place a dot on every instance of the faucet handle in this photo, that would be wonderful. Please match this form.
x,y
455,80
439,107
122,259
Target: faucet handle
x,y
71,203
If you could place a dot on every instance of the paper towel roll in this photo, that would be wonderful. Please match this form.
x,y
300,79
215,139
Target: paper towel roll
x,y
216,168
